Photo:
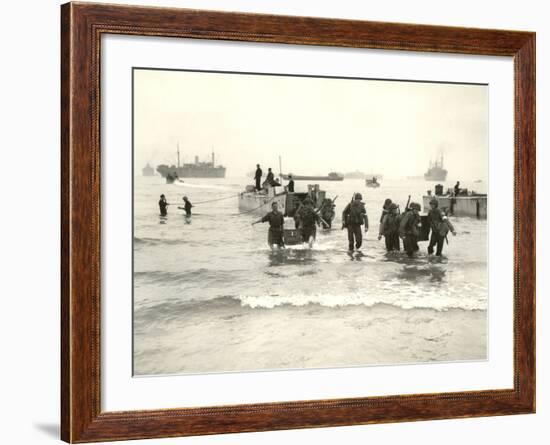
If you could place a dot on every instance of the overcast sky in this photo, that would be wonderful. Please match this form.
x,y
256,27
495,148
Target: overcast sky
x,y
317,125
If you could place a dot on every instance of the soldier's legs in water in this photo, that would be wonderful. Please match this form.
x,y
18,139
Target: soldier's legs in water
x,y
358,236
389,242
409,245
440,242
396,241
350,237
433,242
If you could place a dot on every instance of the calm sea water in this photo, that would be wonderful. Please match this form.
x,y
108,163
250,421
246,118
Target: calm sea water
x,y
218,256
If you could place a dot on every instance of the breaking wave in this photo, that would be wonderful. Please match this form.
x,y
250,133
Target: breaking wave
x,y
404,301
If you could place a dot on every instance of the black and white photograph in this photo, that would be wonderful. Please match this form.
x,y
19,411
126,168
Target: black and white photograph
x,y
296,222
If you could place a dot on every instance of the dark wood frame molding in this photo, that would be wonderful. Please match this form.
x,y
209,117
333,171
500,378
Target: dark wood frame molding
x,y
82,25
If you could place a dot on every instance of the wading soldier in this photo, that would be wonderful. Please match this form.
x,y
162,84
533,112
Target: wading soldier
x,y
440,227
408,228
276,225
163,206
187,207
353,217
385,209
308,218
389,228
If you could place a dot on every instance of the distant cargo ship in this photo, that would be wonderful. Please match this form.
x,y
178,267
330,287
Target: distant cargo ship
x,y
195,170
436,172
148,170
332,176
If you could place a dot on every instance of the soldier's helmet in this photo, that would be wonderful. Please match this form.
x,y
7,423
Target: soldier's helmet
x,y
415,206
434,202
392,206
358,196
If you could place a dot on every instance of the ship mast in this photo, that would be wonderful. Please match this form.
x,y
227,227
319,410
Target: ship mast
x,y
213,158
178,152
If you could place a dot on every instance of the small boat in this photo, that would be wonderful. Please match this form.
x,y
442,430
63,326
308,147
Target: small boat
x,y
332,176
373,183
170,179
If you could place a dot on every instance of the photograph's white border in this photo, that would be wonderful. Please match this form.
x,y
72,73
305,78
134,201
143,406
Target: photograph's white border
x,y
121,391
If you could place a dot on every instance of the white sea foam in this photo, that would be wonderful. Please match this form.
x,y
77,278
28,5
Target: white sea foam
x,y
405,301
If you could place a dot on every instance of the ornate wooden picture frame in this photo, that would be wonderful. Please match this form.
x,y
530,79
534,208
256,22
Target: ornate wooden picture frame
x,y
82,25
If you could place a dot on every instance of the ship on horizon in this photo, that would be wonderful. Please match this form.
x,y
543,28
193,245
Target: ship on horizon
x,y
436,172
148,170
197,169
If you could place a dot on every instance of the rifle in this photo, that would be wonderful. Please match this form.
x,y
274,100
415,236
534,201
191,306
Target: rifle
x,y
344,223
408,203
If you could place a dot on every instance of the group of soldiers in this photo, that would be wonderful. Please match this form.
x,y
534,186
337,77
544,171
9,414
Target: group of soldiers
x,y
406,226
306,221
163,206
394,225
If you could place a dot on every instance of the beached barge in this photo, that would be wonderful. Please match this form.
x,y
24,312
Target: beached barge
x,y
259,202
464,204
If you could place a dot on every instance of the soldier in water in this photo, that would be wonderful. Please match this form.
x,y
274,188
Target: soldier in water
x,y
353,217
163,206
276,225
408,228
187,207
389,228
439,226
309,219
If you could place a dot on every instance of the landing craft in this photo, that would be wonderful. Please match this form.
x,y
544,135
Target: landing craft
x,y
373,183
466,203
259,203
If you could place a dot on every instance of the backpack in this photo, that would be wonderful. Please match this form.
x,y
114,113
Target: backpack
x,y
356,212
308,216
392,223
